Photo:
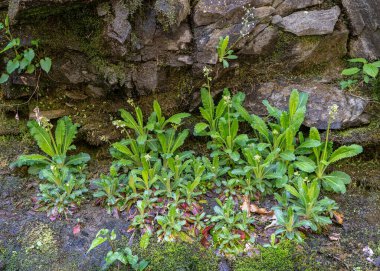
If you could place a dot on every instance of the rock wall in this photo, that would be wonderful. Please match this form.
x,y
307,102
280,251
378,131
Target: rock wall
x,y
105,52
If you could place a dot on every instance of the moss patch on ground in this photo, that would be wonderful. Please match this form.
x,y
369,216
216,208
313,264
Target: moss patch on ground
x,y
287,256
178,256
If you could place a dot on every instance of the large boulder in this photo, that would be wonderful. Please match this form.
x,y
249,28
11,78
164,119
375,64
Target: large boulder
x,y
308,23
321,97
322,50
364,18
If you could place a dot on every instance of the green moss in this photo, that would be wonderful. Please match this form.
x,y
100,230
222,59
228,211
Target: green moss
x,y
113,73
81,29
178,257
285,257
166,11
43,11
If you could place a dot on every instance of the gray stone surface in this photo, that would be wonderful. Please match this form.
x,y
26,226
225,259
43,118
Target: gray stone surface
x,y
145,77
307,23
364,18
210,11
287,6
263,43
21,8
321,97
119,28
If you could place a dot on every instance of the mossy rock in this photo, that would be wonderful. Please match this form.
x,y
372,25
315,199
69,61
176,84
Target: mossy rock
x,y
286,257
178,257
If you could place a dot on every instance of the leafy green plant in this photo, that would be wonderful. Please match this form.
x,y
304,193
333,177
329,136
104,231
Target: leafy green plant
x,y
141,221
222,125
55,147
282,133
307,204
170,142
259,170
109,188
149,137
230,230
323,156
225,53
63,191
365,72
188,188
289,224
21,58
63,173
214,173
123,256
171,224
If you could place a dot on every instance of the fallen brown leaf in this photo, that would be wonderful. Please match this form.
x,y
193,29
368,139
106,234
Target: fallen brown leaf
x,y
339,217
334,236
261,211
245,205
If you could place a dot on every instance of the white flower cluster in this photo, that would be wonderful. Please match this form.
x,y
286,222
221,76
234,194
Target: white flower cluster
x,y
247,21
333,111
119,124
227,100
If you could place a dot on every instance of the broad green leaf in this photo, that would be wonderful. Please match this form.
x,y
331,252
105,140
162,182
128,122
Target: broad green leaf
x,y
200,127
288,156
345,152
70,133
177,118
350,71
4,78
141,139
60,133
305,164
207,101
30,69
157,109
145,239
273,111
310,143
12,65
314,134
358,60
97,242
376,64
42,137
292,190
225,64
78,159
293,102
336,181
371,70
180,140
46,64
29,55
29,160
24,63
10,45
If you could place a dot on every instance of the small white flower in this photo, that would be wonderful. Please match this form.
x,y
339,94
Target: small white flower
x,y
147,157
257,157
333,111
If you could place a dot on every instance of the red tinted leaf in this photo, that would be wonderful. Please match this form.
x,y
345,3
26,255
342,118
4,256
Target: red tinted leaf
x,y
76,229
